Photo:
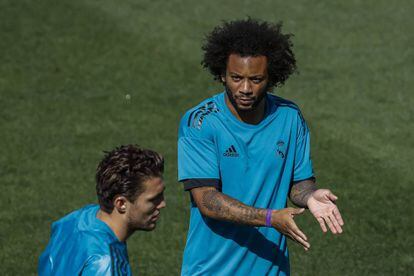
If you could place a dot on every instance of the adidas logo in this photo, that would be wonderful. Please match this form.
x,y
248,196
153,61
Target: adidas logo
x,y
231,152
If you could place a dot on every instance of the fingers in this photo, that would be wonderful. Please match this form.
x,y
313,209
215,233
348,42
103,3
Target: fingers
x,y
294,236
297,234
330,224
333,220
336,219
338,216
295,229
288,227
322,224
335,223
331,196
296,211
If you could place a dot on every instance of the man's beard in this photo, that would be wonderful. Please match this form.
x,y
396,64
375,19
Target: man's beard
x,y
255,104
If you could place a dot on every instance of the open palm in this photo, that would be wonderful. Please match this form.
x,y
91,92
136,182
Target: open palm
x,y
321,205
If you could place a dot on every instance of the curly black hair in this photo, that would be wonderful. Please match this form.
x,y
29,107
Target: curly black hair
x,y
122,172
250,37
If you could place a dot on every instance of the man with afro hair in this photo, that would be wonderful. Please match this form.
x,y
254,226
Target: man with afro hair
x,y
242,152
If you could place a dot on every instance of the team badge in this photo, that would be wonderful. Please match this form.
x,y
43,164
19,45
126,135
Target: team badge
x,y
280,149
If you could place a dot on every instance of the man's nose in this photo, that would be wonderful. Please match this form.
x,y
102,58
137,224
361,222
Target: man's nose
x,y
246,88
163,204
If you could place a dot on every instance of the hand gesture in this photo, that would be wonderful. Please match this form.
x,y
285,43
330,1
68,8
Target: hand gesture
x,y
321,205
282,221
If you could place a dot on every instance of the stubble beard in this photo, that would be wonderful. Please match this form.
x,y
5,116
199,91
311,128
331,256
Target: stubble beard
x,y
140,226
254,105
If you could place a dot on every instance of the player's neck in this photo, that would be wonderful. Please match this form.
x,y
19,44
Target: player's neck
x,y
116,223
252,117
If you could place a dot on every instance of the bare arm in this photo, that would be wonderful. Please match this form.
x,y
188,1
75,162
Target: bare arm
x,y
217,205
301,191
214,204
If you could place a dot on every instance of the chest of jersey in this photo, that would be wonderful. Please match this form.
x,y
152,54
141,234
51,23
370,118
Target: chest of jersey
x,y
251,158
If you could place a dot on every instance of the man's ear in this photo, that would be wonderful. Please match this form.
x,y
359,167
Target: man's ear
x,y
223,78
120,204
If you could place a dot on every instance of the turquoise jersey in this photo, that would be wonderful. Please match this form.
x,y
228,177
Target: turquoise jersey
x,y
255,164
82,244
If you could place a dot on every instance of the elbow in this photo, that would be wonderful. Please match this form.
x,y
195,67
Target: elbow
x,y
205,199
202,207
294,198
204,211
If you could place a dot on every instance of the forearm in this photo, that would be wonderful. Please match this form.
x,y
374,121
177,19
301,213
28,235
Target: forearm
x,y
300,192
214,204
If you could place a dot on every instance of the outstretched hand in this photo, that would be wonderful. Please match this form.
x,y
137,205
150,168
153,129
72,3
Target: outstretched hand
x,y
321,205
282,221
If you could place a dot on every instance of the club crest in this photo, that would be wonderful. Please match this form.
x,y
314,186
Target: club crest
x,y
280,149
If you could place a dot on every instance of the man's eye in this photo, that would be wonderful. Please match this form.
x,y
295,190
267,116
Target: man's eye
x,y
257,80
157,199
236,78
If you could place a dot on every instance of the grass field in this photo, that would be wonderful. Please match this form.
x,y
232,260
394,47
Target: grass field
x,y
66,66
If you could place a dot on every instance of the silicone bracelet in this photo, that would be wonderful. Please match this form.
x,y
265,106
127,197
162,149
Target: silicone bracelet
x,y
269,217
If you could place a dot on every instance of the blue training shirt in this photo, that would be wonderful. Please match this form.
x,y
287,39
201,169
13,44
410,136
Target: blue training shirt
x,y
82,244
255,164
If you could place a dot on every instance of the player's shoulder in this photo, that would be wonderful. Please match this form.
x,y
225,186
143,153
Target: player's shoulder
x,y
285,106
67,224
94,243
200,116
94,235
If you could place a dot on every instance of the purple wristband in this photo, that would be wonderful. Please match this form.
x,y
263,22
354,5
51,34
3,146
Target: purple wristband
x,y
268,218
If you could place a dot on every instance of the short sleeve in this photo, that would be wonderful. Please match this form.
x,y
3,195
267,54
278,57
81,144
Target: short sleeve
x,y
197,152
303,168
97,265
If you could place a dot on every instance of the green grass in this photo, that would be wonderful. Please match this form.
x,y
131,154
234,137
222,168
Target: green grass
x,y
66,66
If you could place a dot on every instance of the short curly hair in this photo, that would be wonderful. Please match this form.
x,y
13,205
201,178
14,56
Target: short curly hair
x,y
250,37
123,171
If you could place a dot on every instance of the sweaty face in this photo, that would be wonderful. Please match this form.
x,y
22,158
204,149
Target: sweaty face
x,y
144,212
246,81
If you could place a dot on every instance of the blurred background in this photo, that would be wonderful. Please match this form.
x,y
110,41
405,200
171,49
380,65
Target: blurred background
x,y
80,77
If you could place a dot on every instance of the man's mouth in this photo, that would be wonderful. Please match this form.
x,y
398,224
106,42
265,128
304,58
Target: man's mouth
x,y
155,217
246,101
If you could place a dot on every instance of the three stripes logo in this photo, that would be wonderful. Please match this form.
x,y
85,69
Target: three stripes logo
x,y
197,117
231,152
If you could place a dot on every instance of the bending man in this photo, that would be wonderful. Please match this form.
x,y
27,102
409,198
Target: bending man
x,y
92,240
